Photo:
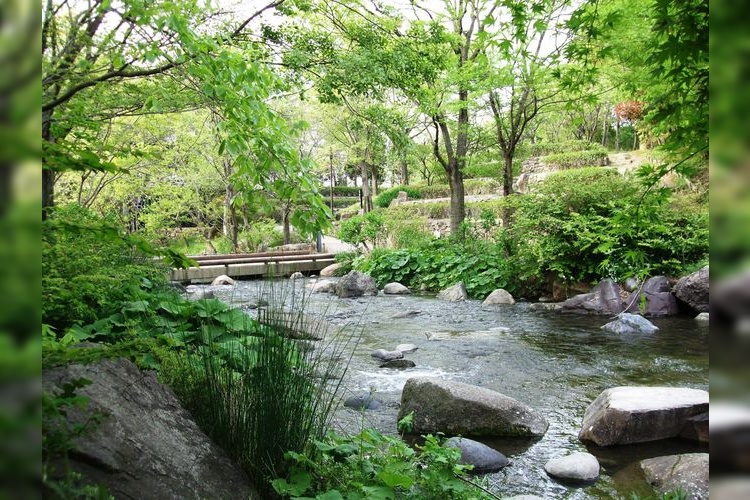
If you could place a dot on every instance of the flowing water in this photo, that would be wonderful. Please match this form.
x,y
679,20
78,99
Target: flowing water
x,y
556,364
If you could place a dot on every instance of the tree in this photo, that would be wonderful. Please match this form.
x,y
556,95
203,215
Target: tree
x,y
521,85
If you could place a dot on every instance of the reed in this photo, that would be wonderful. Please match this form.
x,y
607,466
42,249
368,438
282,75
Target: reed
x,y
279,390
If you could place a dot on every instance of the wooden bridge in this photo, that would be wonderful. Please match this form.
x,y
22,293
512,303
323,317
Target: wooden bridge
x,y
252,265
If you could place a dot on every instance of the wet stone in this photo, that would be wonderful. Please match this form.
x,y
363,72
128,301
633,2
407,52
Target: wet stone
x,y
400,364
362,402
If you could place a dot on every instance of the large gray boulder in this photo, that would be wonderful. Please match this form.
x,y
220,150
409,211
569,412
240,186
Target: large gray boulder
x,y
356,284
625,415
655,298
147,446
578,466
687,472
630,323
482,457
455,408
498,297
454,293
693,290
604,298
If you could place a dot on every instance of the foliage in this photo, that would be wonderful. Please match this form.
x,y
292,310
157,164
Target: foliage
x,y
548,148
361,229
592,223
371,465
341,191
578,159
277,395
482,266
386,197
88,274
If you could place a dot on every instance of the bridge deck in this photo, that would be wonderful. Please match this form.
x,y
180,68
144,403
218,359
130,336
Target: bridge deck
x,y
252,265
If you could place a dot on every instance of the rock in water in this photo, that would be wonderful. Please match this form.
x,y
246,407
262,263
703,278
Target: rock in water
x,y
455,293
693,290
630,323
687,472
331,270
702,317
399,364
406,347
482,457
625,415
147,446
604,298
395,289
384,355
222,280
578,466
324,286
297,276
406,314
362,402
498,297
356,284
657,298
455,408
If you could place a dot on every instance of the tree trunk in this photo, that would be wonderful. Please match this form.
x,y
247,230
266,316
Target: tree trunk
x,y
458,210
404,172
507,186
374,175
366,199
48,176
617,136
287,230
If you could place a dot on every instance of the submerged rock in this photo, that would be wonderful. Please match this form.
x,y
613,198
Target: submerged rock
x,y
687,472
399,364
702,317
147,445
482,457
395,289
362,402
455,408
406,314
455,293
297,276
625,415
356,284
630,323
406,347
578,466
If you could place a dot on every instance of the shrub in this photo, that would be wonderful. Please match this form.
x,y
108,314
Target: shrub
x,y
88,268
577,159
361,229
548,148
340,191
590,224
384,199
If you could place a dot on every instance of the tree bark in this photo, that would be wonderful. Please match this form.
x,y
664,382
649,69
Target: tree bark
x,y
286,228
404,172
458,208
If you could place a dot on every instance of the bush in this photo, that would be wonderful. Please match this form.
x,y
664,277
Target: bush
x,y
577,159
361,229
482,267
342,191
590,224
371,465
384,199
88,268
548,148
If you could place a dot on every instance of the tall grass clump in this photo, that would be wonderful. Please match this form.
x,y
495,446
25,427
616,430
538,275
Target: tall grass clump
x,y
277,394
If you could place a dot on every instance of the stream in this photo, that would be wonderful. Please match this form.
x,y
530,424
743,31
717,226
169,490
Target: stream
x,y
557,364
